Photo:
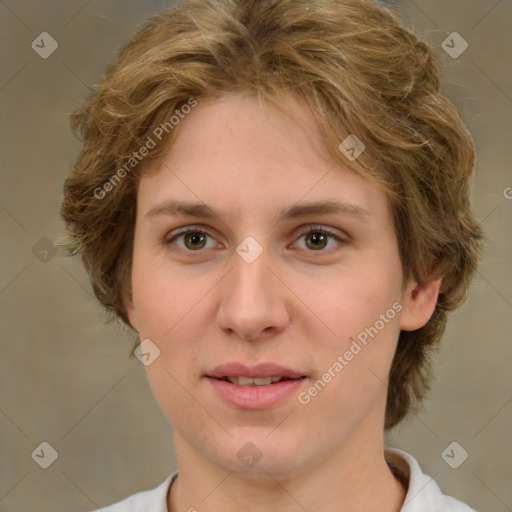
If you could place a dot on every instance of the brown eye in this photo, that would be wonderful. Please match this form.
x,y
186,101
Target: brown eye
x,y
316,241
194,241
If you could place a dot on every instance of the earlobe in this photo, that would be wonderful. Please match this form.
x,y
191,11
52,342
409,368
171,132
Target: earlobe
x,y
131,317
419,304
130,312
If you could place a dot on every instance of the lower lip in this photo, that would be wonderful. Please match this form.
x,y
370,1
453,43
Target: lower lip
x,y
256,397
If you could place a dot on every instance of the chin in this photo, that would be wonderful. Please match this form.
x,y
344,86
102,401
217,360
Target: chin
x,y
257,455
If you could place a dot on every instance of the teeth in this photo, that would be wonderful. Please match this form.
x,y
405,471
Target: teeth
x,y
247,381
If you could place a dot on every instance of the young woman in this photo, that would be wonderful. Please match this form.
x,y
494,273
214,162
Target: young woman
x,y
274,195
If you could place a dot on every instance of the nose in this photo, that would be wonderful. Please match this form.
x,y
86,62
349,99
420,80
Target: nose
x,y
254,303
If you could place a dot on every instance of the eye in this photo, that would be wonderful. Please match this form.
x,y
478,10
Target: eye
x,y
192,239
312,239
317,238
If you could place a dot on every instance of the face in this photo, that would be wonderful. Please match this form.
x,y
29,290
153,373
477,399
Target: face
x,y
252,249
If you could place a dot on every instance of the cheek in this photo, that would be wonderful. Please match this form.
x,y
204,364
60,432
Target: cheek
x,y
362,311
170,313
161,298
350,302
170,310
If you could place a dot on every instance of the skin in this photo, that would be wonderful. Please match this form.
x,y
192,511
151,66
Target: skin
x,y
297,305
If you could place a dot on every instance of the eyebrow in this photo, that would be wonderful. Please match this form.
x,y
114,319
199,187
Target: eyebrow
x,y
174,208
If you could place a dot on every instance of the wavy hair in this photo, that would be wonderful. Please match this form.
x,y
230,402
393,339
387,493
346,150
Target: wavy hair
x,y
360,72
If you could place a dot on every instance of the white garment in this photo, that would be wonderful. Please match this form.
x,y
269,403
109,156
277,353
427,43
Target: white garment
x,y
423,494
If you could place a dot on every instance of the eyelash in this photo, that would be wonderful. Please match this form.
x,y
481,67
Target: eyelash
x,y
306,231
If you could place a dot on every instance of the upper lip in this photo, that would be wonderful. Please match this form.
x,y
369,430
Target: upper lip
x,y
260,370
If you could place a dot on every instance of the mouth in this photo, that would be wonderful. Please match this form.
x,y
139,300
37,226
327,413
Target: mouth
x,y
258,393
248,382
263,386
262,374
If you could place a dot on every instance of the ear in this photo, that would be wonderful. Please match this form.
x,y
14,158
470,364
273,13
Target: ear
x,y
419,304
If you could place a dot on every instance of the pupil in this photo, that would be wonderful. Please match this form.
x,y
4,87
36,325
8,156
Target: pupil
x,y
318,240
195,241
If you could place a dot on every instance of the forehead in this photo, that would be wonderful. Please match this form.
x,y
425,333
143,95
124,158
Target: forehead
x,y
235,125
237,152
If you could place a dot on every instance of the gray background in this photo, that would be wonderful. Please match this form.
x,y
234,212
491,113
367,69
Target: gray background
x,y
67,379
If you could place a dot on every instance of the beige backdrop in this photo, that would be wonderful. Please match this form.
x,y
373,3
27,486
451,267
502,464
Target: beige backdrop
x,y
67,379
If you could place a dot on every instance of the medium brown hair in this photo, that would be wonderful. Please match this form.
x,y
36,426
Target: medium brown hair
x,y
358,70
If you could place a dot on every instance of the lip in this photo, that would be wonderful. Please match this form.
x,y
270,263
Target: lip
x,y
257,397
262,370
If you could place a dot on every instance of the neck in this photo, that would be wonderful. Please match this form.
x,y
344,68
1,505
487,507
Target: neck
x,y
355,479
